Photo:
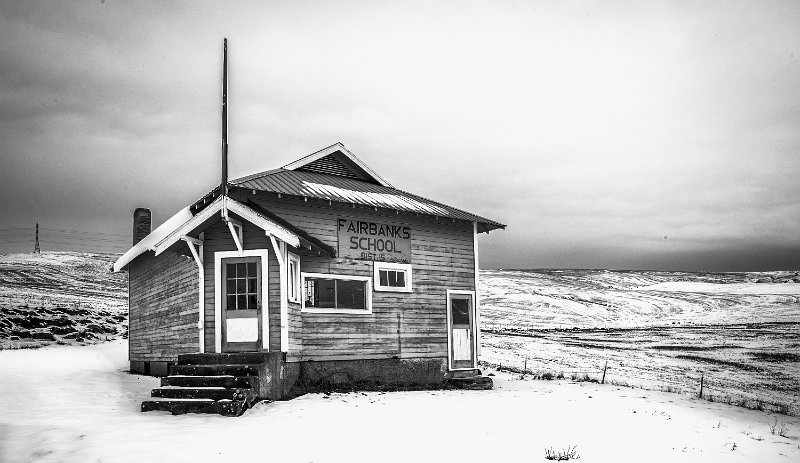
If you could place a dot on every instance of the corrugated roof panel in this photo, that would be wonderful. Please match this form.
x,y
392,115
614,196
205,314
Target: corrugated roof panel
x,y
344,189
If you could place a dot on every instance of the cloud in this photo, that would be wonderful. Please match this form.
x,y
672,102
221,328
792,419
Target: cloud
x,y
593,130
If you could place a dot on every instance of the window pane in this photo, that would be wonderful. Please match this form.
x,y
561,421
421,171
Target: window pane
x,y
320,293
231,303
401,279
241,270
230,271
231,286
241,286
459,311
350,294
252,301
251,270
241,302
252,285
291,280
384,277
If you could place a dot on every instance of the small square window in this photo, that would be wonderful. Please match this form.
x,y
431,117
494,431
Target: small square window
x,y
392,277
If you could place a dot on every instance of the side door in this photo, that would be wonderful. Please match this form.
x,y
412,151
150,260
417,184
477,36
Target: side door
x,y
461,329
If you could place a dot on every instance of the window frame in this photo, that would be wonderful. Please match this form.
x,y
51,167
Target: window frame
x,y
378,266
298,281
333,276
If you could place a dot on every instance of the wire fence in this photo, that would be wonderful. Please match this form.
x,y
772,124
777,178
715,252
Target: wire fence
x,y
702,384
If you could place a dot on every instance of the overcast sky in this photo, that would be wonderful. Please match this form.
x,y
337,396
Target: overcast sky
x,y
605,134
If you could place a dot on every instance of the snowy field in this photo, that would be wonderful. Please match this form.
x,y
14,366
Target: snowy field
x,y
657,330
60,297
78,404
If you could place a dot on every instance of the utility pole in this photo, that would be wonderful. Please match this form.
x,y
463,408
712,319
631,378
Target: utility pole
x,y
36,249
223,187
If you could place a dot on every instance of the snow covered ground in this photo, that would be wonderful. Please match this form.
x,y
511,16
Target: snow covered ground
x,y
657,330
60,297
77,404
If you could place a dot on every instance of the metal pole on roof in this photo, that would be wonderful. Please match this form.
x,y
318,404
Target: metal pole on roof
x,y
223,187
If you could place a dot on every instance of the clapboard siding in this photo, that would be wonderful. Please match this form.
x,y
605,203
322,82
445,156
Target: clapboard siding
x,y
442,258
163,307
404,325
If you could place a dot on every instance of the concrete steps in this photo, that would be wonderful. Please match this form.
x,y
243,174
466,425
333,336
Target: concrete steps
x,y
223,384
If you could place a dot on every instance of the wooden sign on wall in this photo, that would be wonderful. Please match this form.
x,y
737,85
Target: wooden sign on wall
x,y
366,240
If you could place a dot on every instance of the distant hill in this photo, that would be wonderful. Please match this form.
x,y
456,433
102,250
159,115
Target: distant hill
x,y
545,299
63,297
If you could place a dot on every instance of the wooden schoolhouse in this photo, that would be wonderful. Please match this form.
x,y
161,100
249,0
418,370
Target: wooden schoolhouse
x,y
317,273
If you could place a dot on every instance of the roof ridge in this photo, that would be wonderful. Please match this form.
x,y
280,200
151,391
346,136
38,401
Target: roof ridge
x,y
257,175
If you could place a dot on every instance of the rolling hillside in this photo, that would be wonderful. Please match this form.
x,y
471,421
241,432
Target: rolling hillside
x,y
736,333
60,297
549,299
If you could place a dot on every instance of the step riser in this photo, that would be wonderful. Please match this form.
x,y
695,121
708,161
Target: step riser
x,y
213,394
199,381
219,359
234,408
474,384
209,370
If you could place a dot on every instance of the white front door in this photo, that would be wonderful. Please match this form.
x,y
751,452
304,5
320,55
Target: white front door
x,y
461,329
241,304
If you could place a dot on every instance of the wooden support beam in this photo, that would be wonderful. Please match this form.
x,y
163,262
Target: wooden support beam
x,y
193,245
196,246
236,232
280,256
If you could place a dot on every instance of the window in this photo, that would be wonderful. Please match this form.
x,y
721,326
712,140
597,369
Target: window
x,y
293,278
327,293
392,277
241,286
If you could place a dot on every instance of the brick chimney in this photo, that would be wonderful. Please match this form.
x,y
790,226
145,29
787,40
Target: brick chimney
x,y
141,224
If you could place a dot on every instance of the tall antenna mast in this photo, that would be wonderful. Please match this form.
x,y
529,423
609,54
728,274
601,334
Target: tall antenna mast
x,y
223,187
36,249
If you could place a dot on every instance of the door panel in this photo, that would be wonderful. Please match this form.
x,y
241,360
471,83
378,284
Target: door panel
x,y
241,304
461,345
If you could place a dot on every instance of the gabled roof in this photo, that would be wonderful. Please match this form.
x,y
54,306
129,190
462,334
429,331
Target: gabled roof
x,y
320,176
337,160
184,223
243,211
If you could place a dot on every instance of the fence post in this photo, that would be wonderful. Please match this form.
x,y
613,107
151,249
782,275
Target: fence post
x,y
525,368
701,385
603,381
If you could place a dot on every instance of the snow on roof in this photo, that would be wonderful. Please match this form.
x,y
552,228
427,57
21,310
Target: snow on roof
x,y
391,200
149,242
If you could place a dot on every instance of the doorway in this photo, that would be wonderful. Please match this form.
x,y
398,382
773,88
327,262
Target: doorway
x,y
461,329
241,304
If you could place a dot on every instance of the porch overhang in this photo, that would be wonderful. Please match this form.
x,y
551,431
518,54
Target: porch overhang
x,y
270,227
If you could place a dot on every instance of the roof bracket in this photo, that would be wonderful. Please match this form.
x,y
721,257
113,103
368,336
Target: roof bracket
x,y
236,232
196,246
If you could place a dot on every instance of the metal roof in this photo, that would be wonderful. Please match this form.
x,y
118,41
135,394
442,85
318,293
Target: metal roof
x,y
353,191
